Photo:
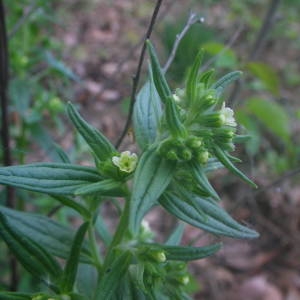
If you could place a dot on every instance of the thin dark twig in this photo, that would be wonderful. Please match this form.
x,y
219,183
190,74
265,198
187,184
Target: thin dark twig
x,y
258,44
5,137
136,77
192,19
28,12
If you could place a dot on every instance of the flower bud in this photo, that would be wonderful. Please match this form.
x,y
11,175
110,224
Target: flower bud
x,y
159,256
186,154
208,101
224,135
184,280
172,155
203,156
193,142
213,119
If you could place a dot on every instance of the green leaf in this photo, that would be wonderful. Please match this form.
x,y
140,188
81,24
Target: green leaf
x,y
159,79
73,204
60,67
152,176
147,113
224,57
113,276
191,83
186,253
175,126
223,82
215,219
200,177
175,237
266,74
100,145
50,178
15,296
103,231
106,187
30,254
206,77
272,115
54,237
225,160
86,280
70,271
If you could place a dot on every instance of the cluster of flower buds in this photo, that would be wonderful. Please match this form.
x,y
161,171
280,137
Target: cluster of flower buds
x,y
184,149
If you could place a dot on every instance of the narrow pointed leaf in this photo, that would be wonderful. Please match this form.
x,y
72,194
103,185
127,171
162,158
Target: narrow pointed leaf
x,y
223,82
106,187
225,160
30,254
73,204
100,145
174,123
186,253
160,81
175,238
70,271
216,219
151,178
113,276
50,178
201,179
147,113
191,84
206,77
54,237
15,296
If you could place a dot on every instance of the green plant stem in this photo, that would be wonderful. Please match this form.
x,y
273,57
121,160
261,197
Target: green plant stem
x,y
119,234
94,246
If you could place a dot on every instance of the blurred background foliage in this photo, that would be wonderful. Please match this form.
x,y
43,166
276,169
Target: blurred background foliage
x,y
86,51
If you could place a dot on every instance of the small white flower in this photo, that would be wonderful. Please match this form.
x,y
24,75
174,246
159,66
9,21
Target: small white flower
x,y
126,162
228,115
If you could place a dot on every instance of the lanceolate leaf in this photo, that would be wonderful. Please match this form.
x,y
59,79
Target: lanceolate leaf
x,y
223,82
191,84
106,187
151,178
225,160
175,238
146,115
201,179
158,76
186,253
70,271
101,146
15,296
30,254
112,276
216,220
50,178
54,237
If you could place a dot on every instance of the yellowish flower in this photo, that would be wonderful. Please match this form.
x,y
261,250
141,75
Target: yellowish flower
x,y
126,162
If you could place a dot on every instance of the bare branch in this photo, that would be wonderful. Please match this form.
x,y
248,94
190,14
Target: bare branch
x,y
192,19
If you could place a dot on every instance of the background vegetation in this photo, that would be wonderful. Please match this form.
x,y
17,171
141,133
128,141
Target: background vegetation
x,y
86,51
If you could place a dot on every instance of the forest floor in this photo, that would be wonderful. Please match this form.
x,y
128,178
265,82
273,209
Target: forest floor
x,y
102,44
